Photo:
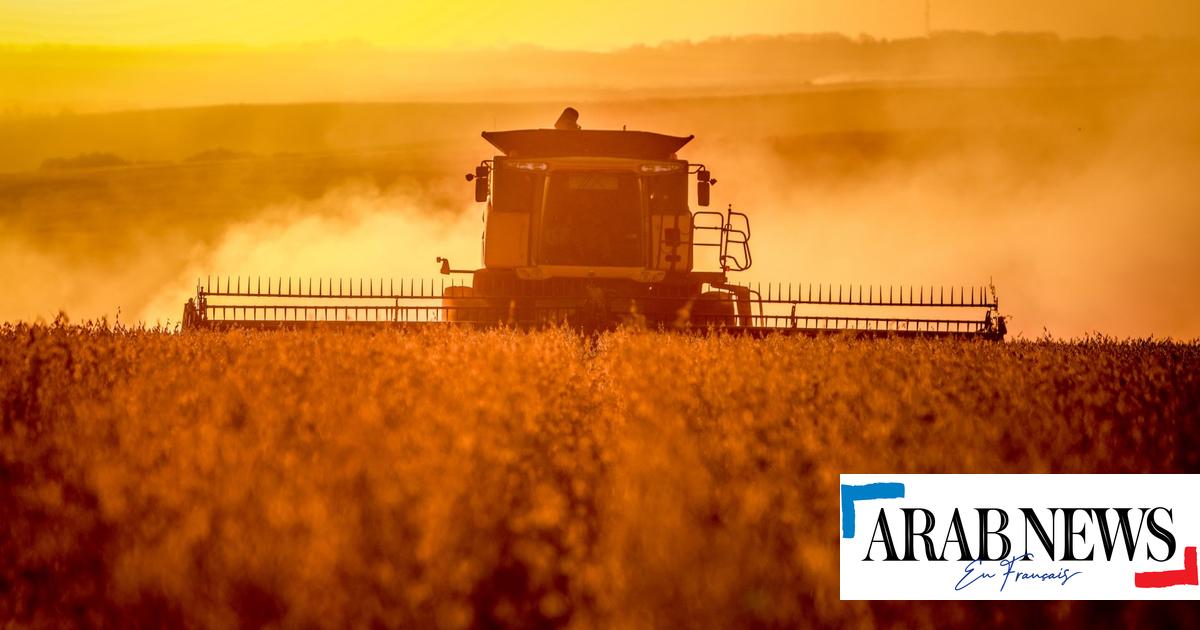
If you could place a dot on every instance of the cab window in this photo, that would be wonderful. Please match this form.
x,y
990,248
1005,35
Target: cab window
x,y
593,218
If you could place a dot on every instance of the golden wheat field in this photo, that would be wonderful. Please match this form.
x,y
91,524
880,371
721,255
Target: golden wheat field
x,y
452,478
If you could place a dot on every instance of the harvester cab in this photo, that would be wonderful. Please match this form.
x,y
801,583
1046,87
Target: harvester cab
x,y
593,228
580,218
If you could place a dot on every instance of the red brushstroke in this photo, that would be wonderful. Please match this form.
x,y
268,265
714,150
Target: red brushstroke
x,y
1163,579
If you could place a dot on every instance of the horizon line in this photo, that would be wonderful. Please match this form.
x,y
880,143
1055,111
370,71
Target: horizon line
x,y
351,44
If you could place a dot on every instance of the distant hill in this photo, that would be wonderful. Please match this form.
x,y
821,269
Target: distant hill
x,y
84,160
451,130
42,79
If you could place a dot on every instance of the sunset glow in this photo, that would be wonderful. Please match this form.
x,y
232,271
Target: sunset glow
x,y
558,24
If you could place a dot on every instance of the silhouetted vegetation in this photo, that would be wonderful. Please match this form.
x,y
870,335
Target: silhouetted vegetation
x,y
456,478
219,155
84,160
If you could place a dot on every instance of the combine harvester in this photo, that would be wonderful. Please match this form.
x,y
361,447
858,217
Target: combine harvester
x,y
591,228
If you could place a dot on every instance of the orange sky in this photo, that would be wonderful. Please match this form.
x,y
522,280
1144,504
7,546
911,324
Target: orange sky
x,y
559,24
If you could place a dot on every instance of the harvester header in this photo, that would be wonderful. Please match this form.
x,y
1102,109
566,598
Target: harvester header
x,y
593,228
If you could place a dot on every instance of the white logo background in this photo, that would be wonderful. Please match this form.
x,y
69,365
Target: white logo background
x,y
1095,579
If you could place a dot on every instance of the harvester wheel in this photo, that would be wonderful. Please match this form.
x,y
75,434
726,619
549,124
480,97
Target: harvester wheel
x,y
714,308
191,316
457,305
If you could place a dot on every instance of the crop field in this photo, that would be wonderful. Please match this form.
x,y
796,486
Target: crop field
x,y
449,478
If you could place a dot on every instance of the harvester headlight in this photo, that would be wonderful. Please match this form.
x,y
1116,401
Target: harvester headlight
x,y
659,168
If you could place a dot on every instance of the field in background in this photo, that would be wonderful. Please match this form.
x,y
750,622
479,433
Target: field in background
x,y
154,104
454,478
36,80
1077,200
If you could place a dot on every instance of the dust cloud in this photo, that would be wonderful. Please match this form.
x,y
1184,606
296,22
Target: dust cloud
x,y
1079,257
1105,244
356,230
375,235
1079,204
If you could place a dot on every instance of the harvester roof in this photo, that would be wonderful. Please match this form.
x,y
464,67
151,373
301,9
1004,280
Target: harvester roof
x,y
546,143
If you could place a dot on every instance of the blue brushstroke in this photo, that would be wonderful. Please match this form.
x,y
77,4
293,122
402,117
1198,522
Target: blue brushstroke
x,y
850,494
